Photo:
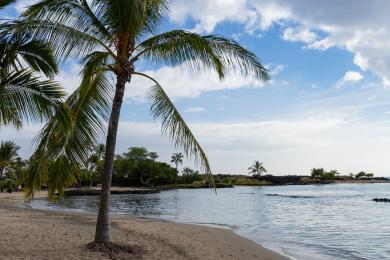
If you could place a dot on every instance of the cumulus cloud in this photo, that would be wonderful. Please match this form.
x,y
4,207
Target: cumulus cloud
x,y
349,77
359,26
299,34
181,82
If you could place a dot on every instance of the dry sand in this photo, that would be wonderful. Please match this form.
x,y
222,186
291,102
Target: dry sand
x,y
40,234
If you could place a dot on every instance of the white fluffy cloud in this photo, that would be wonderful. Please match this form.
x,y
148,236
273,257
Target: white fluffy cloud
x,y
181,82
350,77
361,27
210,13
299,34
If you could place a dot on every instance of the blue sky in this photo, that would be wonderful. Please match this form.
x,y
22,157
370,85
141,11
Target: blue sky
x,y
327,104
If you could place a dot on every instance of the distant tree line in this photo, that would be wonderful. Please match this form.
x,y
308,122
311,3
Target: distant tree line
x,y
136,167
140,167
320,173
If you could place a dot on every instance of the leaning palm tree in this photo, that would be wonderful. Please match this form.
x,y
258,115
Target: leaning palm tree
x,y
177,158
109,38
257,168
8,154
23,95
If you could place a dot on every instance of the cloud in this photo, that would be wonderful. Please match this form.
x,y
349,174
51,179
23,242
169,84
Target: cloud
x,y
276,69
359,26
349,77
181,82
21,5
287,146
299,34
352,76
69,78
194,109
208,14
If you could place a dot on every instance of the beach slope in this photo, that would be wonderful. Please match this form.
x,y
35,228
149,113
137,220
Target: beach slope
x,y
27,233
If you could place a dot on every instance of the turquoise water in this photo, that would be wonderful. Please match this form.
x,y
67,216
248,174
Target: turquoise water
x,y
306,222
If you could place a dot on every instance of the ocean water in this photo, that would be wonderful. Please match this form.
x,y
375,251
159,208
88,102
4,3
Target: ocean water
x,y
337,221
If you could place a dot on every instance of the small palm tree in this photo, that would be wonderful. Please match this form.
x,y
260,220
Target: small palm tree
x,y
152,156
24,96
257,169
187,171
110,37
95,162
8,154
177,158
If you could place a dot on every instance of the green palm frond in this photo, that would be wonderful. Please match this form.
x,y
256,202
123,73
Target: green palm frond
x,y
19,51
25,97
131,18
39,57
181,47
66,40
73,13
174,126
89,109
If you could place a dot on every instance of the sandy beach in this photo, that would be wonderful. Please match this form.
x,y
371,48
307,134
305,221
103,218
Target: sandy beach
x,y
27,233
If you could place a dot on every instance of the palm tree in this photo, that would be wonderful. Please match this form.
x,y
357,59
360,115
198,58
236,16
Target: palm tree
x,y
110,37
257,169
152,156
177,158
23,96
8,154
95,162
187,171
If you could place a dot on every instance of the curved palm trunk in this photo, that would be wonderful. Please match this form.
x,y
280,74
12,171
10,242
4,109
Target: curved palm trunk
x,y
103,228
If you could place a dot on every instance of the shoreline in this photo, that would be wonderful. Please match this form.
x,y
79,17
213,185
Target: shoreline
x,y
37,233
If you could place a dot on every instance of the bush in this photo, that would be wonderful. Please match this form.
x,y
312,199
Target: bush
x,y
249,182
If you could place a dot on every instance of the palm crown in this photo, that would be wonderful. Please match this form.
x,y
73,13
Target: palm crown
x,y
177,158
109,38
257,168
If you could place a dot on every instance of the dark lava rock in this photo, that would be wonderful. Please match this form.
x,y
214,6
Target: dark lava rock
x,y
381,200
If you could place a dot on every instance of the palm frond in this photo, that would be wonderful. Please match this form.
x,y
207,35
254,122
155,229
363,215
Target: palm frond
x,y
89,108
66,41
131,18
73,13
25,97
39,57
174,126
196,51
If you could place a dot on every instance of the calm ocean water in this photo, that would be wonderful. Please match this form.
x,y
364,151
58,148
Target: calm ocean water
x,y
306,222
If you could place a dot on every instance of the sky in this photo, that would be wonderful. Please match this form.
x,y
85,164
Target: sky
x,y
327,103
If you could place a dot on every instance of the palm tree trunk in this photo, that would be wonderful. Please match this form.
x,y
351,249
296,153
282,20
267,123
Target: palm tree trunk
x,y
103,228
